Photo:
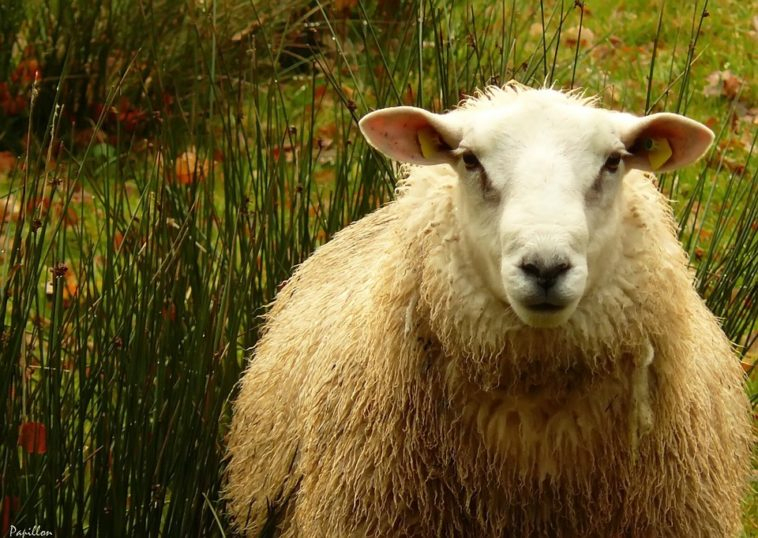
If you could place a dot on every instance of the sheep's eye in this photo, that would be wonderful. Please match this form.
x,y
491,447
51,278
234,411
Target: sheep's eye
x,y
471,162
612,162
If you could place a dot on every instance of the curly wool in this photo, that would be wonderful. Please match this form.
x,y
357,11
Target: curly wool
x,y
390,396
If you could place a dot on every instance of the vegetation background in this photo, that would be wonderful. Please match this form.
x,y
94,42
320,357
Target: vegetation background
x,y
165,163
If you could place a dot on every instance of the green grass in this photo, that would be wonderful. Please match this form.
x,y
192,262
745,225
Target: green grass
x,y
176,160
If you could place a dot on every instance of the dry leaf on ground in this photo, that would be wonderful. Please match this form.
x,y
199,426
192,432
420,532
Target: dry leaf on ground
x,y
722,84
586,37
190,169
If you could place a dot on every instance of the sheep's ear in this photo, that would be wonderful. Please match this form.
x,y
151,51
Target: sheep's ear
x,y
412,135
663,142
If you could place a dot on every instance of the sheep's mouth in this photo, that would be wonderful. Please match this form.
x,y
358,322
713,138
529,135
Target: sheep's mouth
x,y
546,307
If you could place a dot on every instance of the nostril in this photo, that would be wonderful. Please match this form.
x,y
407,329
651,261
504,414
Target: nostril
x,y
531,269
545,275
554,272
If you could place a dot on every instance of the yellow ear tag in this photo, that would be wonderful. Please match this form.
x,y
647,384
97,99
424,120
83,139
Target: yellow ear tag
x,y
658,152
426,139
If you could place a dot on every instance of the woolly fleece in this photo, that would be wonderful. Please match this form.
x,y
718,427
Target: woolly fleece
x,y
390,395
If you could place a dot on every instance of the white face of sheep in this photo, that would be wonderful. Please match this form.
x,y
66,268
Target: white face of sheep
x,y
540,190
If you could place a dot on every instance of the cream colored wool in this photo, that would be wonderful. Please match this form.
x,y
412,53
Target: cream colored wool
x,y
389,396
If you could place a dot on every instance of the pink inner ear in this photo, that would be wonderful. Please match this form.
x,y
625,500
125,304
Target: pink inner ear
x,y
394,132
678,139
688,139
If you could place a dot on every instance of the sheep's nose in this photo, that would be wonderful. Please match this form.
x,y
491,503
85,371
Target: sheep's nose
x,y
543,273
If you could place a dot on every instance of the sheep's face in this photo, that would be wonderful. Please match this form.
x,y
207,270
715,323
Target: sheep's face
x,y
539,195
540,190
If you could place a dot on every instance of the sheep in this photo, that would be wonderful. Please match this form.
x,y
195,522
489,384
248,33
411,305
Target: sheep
x,y
513,347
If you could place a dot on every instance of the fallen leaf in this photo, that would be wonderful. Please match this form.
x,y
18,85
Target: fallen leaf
x,y
168,312
7,162
277,151
722,84
10,508
38,203
344,5
245,32
90,136
611,95
324,176
11,105
409,97
348,91
10,209
26,72
319,92
189,169
32,437
586,37
602,51
68,214
69,282
71,287
81,196
130,116
118,238
326,134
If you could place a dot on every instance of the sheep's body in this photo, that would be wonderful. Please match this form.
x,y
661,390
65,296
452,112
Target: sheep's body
x,y
390,396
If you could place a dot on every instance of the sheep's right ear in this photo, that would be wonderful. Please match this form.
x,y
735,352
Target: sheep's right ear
x,y
663,142
412,135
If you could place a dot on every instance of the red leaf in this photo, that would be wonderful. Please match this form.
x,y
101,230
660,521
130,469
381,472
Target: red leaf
x,y
189,169
7,162
33,437
11,507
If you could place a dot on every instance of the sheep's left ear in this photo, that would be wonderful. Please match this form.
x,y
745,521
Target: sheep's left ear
x,y
663,142
412,135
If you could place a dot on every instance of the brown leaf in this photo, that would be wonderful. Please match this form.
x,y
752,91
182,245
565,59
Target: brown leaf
x,y
7,162
722,84
535,30
287,150
32,436
68,214
348,91
324,176
89,136
245,32
611,95
10,209
409,96
586,37
189,169
326,135
344,5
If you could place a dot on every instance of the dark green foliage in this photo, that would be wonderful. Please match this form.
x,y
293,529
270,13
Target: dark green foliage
x,y
179,158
